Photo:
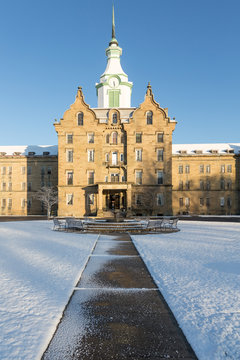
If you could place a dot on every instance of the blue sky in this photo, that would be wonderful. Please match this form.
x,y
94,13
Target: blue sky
x,y
188,50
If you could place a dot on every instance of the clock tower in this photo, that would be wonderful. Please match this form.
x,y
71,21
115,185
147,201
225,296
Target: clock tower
x,y
114,89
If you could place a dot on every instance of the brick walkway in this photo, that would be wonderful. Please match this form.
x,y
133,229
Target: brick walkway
x,y
116,311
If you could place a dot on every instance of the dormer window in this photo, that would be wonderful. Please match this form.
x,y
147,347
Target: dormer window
x,y
114,118
46,153
80,119
149,118
31,153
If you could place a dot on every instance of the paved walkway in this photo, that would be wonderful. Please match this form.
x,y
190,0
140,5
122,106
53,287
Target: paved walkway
x,y
116,311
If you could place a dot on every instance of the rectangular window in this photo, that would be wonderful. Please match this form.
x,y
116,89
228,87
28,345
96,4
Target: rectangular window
x,y
222,201
180,202
29,170
113,98
187,202
187,185
22,203
29,204
229,168
160,177
3,170
69,138
207,202
122,157
115,178
114,158
10,186
90,177
69,177
29,186
69,154
90,155
138,137
222,169
138,199
229,185
91,138
10,203
180,169
90,199
10,170
3,203
69,199
159,154
201,185
222,184
201,169
43,171
49,170
187,169
160,200
208,185
180,187
138,177
160,137
138,153
201,201
106,178
3,186
229,202
208,169
23,170
23,185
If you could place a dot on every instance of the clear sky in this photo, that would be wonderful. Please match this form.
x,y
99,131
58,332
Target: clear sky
x,y
188,49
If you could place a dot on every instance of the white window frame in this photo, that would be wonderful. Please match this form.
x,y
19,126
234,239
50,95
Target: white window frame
x,y
69,155
160,199
91,155
138,154
140,181
160,177
69,199
68,176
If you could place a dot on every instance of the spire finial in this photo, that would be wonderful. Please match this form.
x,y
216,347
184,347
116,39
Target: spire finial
x,y
114,40
113,23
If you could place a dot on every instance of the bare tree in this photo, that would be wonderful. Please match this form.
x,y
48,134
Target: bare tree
x,y
48,196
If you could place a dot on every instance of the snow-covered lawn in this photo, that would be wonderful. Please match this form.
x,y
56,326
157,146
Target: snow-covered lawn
x,y
198,273
38,271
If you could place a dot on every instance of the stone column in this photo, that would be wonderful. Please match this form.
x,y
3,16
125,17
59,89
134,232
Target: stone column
x,y
129,200
100,201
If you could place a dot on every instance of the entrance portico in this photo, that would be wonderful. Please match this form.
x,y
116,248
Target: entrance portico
x,y
114,197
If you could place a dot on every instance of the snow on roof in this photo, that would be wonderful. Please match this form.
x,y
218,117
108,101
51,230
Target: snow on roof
x,y
29,150
198,149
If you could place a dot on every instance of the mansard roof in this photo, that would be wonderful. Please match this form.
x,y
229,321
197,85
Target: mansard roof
x,y
206,149
25,150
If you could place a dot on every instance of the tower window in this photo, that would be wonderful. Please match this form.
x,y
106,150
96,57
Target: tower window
x,y
113,98
114,118
80,119
149,118
114,138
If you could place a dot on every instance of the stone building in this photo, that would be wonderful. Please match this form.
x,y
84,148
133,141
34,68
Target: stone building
x,y
24,170
119,157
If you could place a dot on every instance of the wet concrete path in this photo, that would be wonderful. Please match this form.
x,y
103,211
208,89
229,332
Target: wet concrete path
x,y
116,311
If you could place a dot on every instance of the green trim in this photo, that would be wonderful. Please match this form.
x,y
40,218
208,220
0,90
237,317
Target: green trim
x,y
127,84
122,74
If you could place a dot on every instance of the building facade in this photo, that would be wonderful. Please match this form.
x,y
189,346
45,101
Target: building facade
x,y
119,157
24,170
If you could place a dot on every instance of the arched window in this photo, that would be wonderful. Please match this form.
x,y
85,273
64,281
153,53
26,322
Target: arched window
x,y
107,139
114,138
80,118
114,118
149,118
